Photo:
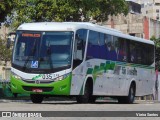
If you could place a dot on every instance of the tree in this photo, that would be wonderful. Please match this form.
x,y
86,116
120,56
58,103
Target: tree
x,y
157,51
104,8
5,8
5,54
22,11
65,10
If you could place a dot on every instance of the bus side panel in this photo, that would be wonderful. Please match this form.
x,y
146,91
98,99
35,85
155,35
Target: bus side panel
x,y
144,80
112,78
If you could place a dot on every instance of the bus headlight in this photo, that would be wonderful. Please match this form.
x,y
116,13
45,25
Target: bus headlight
x,y
61,77
16,76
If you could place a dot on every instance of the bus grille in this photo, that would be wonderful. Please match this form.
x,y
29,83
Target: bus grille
x,y
40,81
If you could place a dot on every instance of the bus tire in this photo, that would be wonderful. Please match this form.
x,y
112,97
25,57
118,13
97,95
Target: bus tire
x,y
36,98
130,98
87,97
131,95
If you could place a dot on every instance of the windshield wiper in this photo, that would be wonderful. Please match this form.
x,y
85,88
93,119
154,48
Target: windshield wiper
x,y
33,50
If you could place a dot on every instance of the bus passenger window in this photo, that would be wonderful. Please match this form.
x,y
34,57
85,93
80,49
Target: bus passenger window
x,y
93,45
110,48
122,50
132,53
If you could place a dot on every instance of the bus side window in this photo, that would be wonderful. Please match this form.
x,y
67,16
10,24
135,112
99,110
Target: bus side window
x,y
144,55
139,53
122,50
150,53
102,48
93,45
132,52
110,47
79,47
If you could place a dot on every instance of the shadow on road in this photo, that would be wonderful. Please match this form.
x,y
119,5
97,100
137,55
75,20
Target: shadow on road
x,y
74,102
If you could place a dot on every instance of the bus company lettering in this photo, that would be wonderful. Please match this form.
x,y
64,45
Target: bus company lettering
x,y
123,70
117,70
131,71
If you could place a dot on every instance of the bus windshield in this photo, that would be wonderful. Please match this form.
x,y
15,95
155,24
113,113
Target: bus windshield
x,y
41,51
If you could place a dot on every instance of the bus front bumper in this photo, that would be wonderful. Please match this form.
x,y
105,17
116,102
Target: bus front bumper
x,y
61,87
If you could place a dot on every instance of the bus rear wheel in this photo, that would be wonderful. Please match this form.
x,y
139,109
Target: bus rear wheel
x,y
36,98
130,98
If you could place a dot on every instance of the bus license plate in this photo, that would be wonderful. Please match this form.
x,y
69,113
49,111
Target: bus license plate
x,y
37,90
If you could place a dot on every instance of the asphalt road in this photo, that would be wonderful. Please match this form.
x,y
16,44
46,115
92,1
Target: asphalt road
x,y
99,108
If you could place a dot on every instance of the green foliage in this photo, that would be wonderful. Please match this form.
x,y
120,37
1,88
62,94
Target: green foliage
x,y
65,10
5,8
109,7
24,11
5,54
157,51
156,41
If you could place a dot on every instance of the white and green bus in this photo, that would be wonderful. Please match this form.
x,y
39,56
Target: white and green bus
x,y
83,60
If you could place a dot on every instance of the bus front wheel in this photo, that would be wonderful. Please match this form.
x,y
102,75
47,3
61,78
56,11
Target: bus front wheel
x,y
87,97
36,98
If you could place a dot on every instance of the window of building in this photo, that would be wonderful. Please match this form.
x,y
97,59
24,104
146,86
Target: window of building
x,y
157,17
157,10
157,4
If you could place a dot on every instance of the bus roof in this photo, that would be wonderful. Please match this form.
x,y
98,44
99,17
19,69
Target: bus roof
x,y
72,26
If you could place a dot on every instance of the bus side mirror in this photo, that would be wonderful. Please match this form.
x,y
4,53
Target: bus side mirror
x,y
8,42
11,37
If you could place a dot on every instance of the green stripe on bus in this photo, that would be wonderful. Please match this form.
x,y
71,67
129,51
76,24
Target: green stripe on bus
x,y
110,65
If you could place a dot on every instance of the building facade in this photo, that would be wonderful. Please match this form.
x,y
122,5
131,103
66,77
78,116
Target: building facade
x,y
151,9
135,23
